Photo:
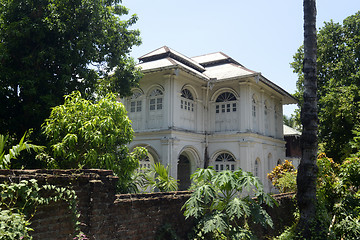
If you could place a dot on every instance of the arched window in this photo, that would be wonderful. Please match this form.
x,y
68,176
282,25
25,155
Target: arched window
x,y
155,115
156,100
226,116
225,103
135,102
278,162
135,109
146,162
224,161
187,100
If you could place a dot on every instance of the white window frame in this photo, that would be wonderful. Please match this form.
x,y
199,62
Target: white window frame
x,y
225,161
225,103
187,100
156,100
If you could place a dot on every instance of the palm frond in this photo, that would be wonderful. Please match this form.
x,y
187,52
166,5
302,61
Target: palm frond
x,y
14,152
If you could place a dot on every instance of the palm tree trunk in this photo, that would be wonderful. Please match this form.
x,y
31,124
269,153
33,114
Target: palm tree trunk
x,y
306,179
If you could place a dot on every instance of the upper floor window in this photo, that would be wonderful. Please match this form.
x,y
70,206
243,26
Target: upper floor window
x,y
255,113
187,100
135,103
224,161
225,103
156,100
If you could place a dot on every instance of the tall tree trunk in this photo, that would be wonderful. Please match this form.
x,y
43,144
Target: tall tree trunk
x,y
306,179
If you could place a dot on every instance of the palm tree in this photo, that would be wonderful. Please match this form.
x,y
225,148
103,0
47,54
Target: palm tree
x,y
14,151
306,179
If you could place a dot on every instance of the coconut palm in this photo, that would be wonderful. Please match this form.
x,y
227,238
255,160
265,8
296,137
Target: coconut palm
x,y
306,179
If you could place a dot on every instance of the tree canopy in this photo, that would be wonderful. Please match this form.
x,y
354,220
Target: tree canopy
x,y
338,65
83,134
49,48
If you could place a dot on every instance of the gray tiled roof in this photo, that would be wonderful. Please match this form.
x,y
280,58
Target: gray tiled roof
x,y
168,52
168,63
227,71
288,131
210,57
216,66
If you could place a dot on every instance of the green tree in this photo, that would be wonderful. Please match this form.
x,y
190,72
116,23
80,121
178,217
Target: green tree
x,y
338,195
49,48
83,134
221,206
338,64
339,192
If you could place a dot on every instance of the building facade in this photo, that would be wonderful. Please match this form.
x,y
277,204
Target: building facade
x,y
207,111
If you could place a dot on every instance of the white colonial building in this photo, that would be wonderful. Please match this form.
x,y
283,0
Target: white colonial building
x,y
207,111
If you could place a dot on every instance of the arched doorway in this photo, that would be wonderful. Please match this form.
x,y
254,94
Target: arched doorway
x,y
183,172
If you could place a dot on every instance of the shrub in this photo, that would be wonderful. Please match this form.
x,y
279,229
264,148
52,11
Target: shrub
x,y
221,204
19,201
283,177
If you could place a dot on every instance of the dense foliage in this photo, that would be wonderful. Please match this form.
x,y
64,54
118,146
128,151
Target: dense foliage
x,y
338,64
222,205
50,48
283,177
19,202
86,134
338,194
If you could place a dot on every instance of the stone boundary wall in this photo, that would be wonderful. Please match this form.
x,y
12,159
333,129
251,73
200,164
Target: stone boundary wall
x,y
104,215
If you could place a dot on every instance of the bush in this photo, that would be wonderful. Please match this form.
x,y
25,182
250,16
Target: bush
x,y
19,201
221,204
283,177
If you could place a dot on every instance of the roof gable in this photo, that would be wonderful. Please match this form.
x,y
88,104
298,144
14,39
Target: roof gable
x,y
215,66
166,52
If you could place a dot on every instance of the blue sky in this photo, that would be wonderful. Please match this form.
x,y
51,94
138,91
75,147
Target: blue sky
x,y
263,35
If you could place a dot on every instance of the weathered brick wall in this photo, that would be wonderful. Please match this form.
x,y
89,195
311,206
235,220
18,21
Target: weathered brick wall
x,y
282,216
95,190
141,216
105,215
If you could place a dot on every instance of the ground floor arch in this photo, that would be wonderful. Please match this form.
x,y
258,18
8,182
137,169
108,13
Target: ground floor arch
x,y
188,161
151,158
